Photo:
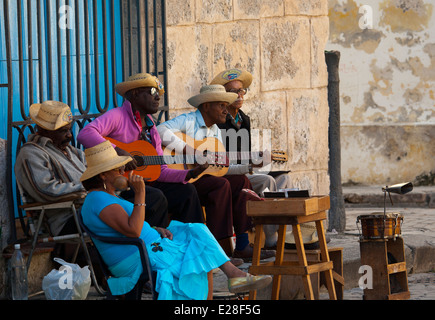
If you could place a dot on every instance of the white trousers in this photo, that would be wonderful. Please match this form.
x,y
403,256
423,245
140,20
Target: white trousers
x,y
259,183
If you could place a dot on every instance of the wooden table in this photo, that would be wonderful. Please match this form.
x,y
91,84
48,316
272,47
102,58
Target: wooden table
x,y
291,211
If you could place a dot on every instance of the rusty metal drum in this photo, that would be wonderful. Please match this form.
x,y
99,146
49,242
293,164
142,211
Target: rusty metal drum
x,y
380,226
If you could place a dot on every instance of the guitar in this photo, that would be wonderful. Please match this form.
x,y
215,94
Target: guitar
x,y
209,150
212,148
149,162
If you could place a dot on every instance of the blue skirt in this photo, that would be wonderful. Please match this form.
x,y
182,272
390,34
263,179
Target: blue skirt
x,y
182,264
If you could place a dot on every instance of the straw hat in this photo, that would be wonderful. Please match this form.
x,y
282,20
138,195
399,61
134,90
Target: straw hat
x,y
233,74
139,80
102,158
308,232
51,115
212,93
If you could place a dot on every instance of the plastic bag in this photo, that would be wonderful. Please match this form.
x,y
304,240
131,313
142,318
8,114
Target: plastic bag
x,y
70,282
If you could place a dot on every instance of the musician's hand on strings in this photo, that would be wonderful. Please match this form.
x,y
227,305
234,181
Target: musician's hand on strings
x,y
195,172
132,164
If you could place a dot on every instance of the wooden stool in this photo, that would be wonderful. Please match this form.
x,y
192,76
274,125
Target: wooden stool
x,y
293,211
317,280
386,274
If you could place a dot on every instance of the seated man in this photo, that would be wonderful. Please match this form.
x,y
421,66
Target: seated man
x,y
131,122
222,197
238,81
48,167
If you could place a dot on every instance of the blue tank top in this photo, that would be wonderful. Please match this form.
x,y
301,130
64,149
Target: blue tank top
x,y
112,254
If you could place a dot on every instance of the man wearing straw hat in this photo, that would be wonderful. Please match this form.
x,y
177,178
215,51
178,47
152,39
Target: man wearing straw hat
x,y
170,193
238,81
223,197
48,167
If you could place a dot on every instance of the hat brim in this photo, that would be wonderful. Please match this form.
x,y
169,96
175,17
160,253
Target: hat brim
x,y
245,77
123,87
201,98
307,238
117,162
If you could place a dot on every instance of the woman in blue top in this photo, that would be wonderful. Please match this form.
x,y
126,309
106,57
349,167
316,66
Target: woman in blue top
x,y
182,254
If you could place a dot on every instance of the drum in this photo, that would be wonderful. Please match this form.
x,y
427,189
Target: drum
x,y
380,226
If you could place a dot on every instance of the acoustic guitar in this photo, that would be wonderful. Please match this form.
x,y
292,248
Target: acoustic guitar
x,y
209,150
149,162
212,151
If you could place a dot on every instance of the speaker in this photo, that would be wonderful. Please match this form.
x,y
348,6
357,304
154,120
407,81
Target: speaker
x,y
400,188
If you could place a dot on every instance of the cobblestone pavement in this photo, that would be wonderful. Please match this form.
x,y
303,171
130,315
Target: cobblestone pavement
x,y
421,287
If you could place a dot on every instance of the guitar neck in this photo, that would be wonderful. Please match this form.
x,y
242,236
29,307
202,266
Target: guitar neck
x,y
161,160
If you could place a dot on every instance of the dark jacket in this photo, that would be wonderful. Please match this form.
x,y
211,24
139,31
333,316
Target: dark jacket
x,y
243,136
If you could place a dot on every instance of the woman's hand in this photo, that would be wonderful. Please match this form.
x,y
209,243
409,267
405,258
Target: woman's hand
x,y
164,233
136,182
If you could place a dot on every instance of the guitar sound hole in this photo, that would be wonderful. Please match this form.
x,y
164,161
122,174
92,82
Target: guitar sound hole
x,y
139,161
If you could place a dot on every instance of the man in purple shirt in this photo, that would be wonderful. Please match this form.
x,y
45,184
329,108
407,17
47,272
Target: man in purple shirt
x,y
170,193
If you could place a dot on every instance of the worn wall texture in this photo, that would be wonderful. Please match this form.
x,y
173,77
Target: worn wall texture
x,y
281,42
387,84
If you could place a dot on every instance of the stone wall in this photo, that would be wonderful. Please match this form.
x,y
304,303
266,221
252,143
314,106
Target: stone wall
x,y
387,78
281,42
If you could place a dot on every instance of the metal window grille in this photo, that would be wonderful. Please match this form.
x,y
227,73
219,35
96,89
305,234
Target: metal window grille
x,y
74,51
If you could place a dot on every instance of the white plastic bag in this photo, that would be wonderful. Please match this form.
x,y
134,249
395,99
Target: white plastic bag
x,y
70,282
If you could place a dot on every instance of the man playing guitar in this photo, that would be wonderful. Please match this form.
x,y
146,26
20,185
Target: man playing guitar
x,y
170,193
223,197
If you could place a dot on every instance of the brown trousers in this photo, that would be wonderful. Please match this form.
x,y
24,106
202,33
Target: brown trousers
x,y
225,204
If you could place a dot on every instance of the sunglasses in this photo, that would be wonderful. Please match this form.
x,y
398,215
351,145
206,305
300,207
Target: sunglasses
x,y
121,170
239,91
154,92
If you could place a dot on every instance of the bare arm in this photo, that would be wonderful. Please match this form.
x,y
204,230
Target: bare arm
x,y
116,217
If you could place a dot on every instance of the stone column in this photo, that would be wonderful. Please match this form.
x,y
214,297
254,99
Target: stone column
x,y
337,214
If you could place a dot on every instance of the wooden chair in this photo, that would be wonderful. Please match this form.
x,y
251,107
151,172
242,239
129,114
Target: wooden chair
x,y
36,212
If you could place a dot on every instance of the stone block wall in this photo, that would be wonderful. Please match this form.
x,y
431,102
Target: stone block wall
x,y
281,42
386,89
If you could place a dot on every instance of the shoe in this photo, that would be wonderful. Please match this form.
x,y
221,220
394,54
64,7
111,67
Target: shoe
x,y
236,261
246,254
250,282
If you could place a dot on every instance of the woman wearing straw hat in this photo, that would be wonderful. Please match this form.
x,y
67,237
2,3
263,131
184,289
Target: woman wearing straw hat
x,y
182,254
133,121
